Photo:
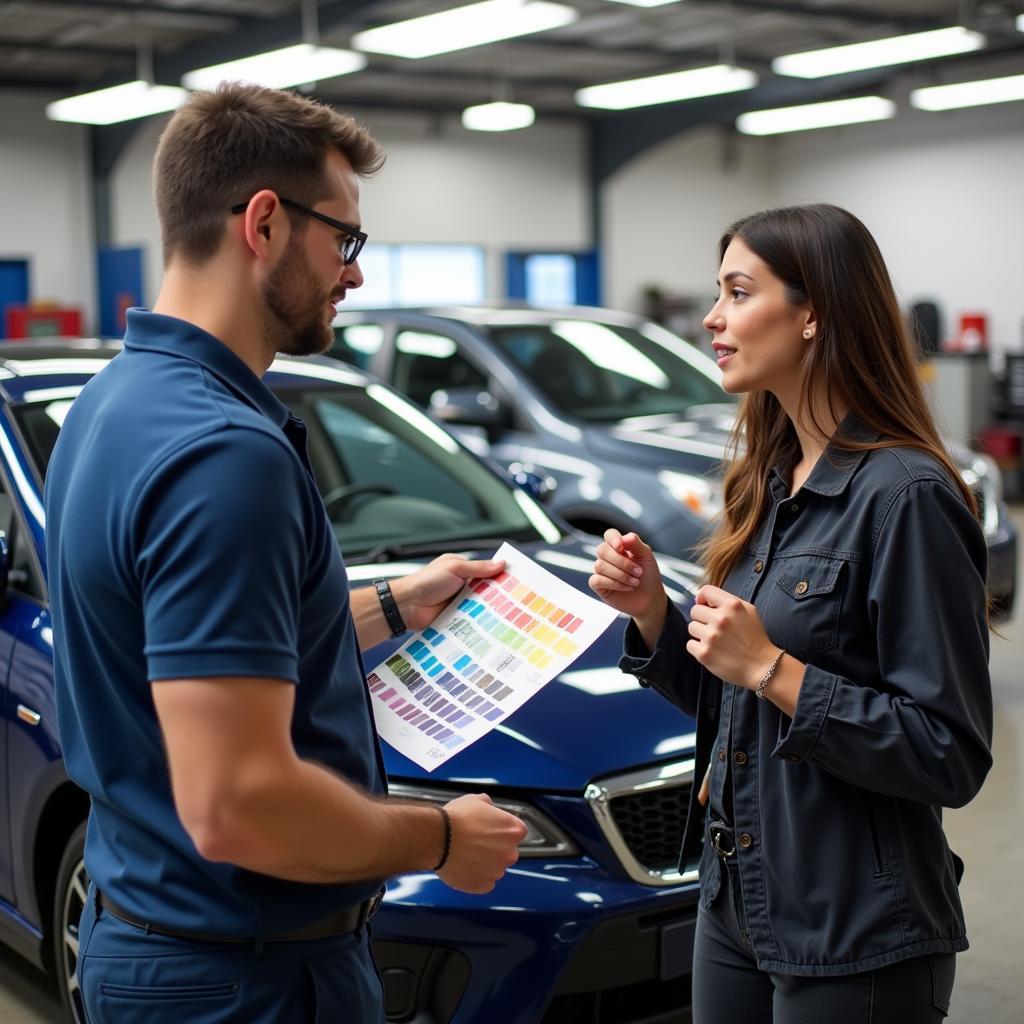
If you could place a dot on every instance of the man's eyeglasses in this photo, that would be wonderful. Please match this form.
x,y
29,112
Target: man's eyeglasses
x,y
351,245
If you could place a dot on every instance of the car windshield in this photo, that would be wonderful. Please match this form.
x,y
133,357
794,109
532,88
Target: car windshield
x,y
393,482
604,373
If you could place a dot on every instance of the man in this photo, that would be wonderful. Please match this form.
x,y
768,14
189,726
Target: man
x,y
211,693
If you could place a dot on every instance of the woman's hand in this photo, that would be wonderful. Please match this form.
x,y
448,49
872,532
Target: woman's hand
x,y
626,575
728,638
705,788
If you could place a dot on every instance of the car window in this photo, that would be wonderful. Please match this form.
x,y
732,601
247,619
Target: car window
x,y
426,362
389,475
22,575
357,343
604,372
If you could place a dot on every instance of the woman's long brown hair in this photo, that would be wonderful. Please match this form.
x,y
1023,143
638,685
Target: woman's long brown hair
x,y
862,352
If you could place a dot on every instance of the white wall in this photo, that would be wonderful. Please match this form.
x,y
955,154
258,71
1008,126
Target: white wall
x,y
45,203
943,194
664,212
133,220
441,183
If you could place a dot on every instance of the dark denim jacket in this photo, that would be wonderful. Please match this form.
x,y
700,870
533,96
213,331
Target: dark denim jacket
x,y
873,574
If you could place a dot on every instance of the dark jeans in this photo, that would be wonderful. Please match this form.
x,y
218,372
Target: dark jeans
x,y
130,977
728,987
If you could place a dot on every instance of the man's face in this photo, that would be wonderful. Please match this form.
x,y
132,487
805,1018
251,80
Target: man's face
x,y
312,278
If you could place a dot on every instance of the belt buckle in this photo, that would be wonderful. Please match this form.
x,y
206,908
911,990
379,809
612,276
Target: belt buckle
x,y
374,902
717,831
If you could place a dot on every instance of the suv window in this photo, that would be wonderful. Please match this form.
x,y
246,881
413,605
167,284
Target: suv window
x,y
358,343
427,362
604,373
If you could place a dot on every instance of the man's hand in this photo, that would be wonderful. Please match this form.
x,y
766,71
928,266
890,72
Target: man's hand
x,y
422,595
485,842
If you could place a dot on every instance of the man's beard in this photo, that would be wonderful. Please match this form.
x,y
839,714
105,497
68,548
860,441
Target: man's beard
x,y
293,309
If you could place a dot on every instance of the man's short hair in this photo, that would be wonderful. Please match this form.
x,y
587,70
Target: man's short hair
x,y
223,146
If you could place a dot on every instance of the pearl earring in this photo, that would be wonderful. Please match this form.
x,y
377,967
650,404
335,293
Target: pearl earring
x,y
808,334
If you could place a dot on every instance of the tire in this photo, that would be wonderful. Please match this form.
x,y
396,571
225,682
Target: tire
x,y
68,904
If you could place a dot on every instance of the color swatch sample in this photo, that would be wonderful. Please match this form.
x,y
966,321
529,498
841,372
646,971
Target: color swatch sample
x,y
495,645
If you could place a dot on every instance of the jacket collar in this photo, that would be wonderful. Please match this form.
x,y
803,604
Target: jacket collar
x,y
834,470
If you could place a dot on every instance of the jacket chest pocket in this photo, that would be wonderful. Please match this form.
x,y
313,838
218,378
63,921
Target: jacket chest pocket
x,y
803,608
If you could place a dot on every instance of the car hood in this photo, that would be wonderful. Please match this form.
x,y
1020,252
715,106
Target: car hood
x,y
588,722
698,440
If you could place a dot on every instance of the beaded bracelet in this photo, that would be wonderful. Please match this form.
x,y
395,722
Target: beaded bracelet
x,y
759,690
447,839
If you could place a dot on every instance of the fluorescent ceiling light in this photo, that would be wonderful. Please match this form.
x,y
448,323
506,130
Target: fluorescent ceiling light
x,y
969,94
498,117
645,3
677,85
458,29
278,69
816,115
118,103
879,53
1020,22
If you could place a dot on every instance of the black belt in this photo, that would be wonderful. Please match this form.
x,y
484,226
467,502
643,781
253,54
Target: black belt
x,y
723,839
345,921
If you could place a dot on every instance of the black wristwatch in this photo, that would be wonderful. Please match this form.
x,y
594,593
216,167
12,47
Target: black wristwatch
x,y
390,607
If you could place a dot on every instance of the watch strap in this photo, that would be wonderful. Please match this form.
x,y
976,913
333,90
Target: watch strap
x,y
389,606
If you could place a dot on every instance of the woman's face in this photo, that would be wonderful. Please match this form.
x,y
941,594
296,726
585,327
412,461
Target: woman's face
x,y
758,336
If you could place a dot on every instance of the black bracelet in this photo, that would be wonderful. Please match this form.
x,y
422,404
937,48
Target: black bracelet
x,y
390,607
447,839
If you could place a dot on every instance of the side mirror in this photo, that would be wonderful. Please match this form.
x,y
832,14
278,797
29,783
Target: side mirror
x,y
536,483
468,407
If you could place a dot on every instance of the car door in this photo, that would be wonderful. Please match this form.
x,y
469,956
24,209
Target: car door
x,y
28,725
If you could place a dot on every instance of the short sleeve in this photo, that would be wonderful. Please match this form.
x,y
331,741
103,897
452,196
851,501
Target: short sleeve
x,y
219,554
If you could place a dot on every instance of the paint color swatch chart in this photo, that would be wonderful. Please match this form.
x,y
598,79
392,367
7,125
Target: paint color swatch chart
x,y
497,643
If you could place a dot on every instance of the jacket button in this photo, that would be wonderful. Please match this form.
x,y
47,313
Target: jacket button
x,y
739,757
801,587
746,840
758,565
794,507
721,753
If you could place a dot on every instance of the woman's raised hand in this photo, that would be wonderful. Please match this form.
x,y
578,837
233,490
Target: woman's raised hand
x,y
627,577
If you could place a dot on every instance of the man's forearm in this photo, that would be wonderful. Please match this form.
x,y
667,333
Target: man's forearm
x,y
308,825
371,626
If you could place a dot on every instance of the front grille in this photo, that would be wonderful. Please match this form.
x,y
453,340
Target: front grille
x,y
642,814
652,823
632,969
651,1002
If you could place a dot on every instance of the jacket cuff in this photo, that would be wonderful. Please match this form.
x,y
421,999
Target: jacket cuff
x,y
662,664
798,736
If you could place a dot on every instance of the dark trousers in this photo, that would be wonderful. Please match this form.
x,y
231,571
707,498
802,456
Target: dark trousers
x,y
130,977
728,987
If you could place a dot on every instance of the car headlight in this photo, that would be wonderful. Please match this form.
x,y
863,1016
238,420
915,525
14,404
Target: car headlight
x,y
702,495
984,478
543,837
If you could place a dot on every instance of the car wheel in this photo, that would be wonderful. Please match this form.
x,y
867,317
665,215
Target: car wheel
x,y
69,902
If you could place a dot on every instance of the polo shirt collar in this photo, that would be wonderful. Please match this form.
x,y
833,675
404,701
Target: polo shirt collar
x,y
154,332
834,470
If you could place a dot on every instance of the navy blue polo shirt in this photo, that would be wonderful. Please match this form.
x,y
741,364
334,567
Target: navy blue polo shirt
x,y
187,538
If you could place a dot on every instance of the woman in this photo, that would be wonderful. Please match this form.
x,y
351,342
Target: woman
x,y
837,659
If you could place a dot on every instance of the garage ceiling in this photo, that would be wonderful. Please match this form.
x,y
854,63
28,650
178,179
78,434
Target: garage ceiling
x,y
74,45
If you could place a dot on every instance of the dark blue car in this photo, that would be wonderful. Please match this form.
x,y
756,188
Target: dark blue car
x,y
595,922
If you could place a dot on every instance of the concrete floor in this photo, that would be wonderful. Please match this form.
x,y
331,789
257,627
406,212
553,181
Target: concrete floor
x,y
988,834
